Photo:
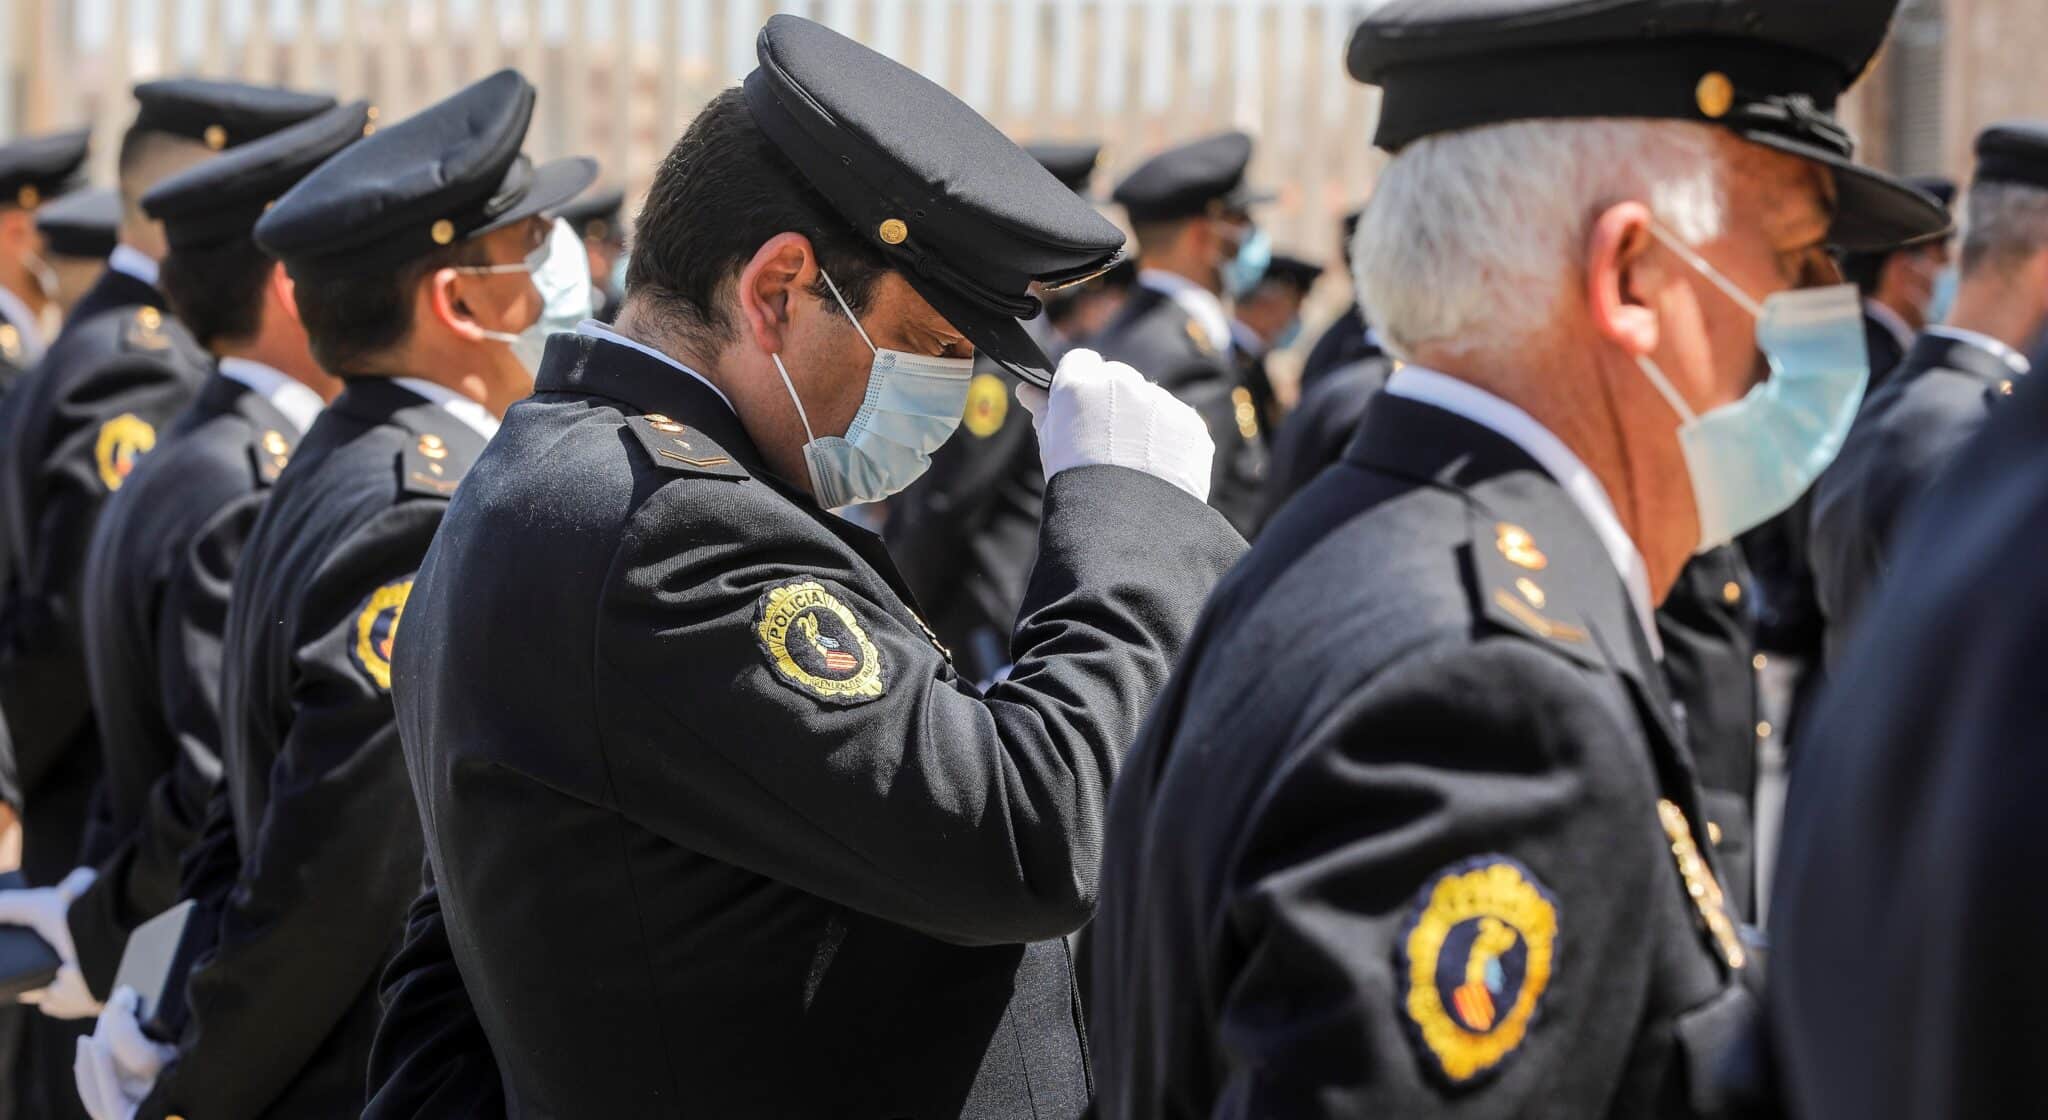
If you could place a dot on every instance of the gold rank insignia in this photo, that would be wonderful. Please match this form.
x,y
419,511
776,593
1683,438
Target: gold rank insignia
x,y
1701,885
10,342
377,629
988,405
122,441
1200,339
145,331
1477,958
815,645
1519,547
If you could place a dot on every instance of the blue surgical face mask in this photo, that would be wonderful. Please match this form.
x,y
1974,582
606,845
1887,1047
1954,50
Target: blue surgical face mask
x,y
1751,459
1947,283
617,278
1243,271
1289,335
561,273
912,405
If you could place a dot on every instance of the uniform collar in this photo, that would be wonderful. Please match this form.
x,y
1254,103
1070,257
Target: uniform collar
x,y
134,262
287,394
1885,317
1463,399
591,328
1200,303
1246,339
2013,359
474,416
16,312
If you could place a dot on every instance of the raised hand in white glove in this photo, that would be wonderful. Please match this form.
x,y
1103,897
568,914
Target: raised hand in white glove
x,y
43,909
1106,414
117,1065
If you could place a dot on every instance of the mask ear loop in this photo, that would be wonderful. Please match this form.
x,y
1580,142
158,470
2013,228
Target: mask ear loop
x,y
1699,264
850,316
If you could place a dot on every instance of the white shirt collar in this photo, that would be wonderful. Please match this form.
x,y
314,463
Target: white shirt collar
x,y
1518,427
591,328
2013,359
1246,339
474,415
16,312
127,258
1200,303
1890,321
285,393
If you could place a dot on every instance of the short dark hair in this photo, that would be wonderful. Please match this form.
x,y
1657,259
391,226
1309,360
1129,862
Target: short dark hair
x,y
719,194
354,316
217,291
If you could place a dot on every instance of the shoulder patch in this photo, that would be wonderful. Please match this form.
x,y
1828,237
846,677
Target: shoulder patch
x,y
122,442
145,330
376,629
988,405
269,452
428,469
1476,959
679,447
815,645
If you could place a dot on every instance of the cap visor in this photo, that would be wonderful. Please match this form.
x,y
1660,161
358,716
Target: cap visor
x,y
996,336
554,183
1873,211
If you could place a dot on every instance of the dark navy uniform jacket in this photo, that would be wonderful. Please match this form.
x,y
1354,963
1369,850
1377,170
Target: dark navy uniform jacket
x,y
120,371
1903,438
717,828
1907,914
1341,343
1156,336
1411,832
1323,421
284,1011
157,582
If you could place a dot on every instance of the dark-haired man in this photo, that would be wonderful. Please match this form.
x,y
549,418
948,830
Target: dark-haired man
x,y
165,545
1902,289
79,230
598,218
418,259
791,864
1268,318
31,171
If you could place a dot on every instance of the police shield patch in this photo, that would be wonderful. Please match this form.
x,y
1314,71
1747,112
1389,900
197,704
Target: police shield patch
x,y
376,629
988,405
1475,963
122,442
815,645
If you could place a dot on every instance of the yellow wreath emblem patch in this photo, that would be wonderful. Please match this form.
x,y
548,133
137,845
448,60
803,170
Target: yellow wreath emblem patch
x,y
377,631
814,644
121,443
1478,957
988,405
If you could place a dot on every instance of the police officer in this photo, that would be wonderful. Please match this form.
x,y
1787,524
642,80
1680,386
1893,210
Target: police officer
x,y
31,171
1348,339
597,219
1903,289
1411,831
1956,374
165,546
1904,918
964,535
79,229
1268,318
717,827
418,258
1190,208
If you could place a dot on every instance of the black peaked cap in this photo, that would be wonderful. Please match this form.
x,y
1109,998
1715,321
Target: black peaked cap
x,y
1299,271
222,115
1770,71
595,213
965,214
2014,152
450,172
41,167
1199,177
84,223
221,199
1070,163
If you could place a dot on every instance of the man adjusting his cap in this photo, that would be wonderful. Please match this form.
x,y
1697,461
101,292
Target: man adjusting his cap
x,y
1421,838
717,827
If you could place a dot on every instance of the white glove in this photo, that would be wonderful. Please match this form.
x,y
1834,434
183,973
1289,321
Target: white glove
x,y
44,910
1106,414
117,1065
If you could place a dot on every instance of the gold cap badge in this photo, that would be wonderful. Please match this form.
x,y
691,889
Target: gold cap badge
x,y
216,137
443,232
894,232
28,196
1715,94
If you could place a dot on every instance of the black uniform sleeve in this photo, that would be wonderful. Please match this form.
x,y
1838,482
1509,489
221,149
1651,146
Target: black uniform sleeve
x,y
323,894
1439,768
141,878
431,1058
913,799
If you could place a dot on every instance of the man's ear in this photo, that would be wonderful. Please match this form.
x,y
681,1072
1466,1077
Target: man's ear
x,y
283,292
782,267
443,297
1621,272
17,231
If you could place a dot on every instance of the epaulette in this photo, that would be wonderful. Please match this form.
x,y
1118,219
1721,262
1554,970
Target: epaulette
x,y
681,448
1508,569
270,449
431,467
